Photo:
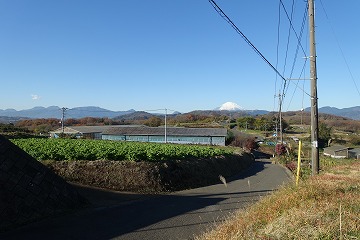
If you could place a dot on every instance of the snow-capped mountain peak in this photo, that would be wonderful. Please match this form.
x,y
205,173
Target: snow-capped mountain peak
x,y
230,106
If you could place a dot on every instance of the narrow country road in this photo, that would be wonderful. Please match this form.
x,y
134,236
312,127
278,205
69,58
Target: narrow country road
x,y
180,215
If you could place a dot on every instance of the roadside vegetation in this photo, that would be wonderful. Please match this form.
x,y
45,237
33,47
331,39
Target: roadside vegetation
x,y
326,206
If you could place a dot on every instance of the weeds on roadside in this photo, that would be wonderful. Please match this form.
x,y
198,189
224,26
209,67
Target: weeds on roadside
x,y
326,206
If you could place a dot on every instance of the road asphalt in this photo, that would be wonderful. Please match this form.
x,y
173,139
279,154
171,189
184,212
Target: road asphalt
x,y
179,215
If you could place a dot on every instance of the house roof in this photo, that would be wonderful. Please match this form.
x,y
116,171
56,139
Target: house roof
x,y
67,130
336,148
355,151
175,131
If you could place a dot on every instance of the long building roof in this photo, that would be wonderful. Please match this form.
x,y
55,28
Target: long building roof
x,y
336,148
88,129
140,130
158,131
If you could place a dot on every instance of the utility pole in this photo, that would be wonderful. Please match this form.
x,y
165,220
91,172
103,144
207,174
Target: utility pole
x,y
280,119
314,99
64,109
165,126
279,130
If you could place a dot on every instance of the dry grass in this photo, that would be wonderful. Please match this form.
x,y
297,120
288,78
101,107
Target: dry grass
x,y
323,207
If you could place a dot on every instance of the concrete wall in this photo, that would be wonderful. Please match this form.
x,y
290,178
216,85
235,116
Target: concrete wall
x,y
29,190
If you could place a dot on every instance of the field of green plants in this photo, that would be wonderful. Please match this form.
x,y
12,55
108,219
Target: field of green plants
x,y
81,149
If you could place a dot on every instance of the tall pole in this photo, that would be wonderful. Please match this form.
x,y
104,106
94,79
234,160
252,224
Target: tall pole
x,y
314,98
280,119
63,118
165,126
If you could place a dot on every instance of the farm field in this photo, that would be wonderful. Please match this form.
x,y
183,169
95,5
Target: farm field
x,y
80,149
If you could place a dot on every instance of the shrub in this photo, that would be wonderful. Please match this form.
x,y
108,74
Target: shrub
x,y
280,149
245,142
250,144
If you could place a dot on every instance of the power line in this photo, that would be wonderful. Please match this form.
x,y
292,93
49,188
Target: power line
x,y
277,52
292,27
338,44
285,85
287,47
161,109
297,86
299,45
232,24
288,38
297,50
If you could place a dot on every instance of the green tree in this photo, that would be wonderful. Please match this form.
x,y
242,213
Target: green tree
x,y
324,135
285,125
263,124
246,122
230,137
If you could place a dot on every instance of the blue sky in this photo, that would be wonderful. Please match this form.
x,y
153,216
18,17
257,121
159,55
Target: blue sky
x,y
178,54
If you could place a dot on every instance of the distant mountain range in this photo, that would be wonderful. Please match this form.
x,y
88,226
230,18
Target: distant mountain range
x,y
56,112
351,112
10,115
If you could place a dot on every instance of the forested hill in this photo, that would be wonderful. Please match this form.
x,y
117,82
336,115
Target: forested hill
x,y
351,112
12,115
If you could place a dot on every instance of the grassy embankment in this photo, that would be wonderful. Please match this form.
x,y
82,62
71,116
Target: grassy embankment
x,y
326,206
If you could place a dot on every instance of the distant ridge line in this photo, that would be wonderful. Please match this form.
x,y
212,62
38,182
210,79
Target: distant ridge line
x,y
9,115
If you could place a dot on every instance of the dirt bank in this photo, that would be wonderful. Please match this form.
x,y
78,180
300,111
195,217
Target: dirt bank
x,y
151,176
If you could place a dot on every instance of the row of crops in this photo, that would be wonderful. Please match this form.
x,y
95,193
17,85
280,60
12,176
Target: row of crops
x,y
80,149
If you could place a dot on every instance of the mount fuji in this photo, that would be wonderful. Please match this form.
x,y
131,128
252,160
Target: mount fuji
x,y
230,106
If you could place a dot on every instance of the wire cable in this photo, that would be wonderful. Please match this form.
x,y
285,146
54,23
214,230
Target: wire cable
x,y
232,24
297,85
287,45
277,53
338,44
298,46
292,27
288,38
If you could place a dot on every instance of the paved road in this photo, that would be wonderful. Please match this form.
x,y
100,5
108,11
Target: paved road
x,y
180,215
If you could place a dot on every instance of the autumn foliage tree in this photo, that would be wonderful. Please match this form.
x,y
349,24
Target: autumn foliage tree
x,y
245,141
153,122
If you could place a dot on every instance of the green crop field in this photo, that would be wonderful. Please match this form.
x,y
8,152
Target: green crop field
x,y
81,149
